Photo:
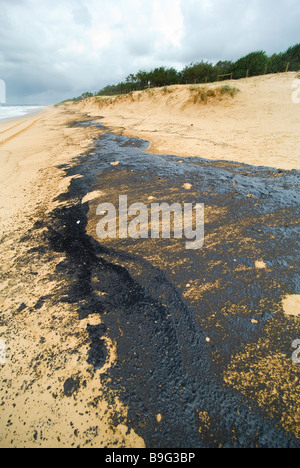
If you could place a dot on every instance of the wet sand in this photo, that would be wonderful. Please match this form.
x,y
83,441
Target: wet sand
x,y
132,343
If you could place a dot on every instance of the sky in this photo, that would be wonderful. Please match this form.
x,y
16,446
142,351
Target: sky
x,y
51,50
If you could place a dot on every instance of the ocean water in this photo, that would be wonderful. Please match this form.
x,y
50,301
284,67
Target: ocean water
x,y
14,112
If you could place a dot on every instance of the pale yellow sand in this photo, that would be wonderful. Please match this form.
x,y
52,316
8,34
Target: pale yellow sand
x,y
260,126
38,348
291,305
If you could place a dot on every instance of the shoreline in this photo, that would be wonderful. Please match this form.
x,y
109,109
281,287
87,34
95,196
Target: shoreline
x,y
34,111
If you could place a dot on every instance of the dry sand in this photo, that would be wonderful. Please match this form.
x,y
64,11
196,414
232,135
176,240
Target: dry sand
x,y
47,345
259,126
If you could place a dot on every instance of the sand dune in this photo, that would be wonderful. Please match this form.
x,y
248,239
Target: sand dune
x,y
259,126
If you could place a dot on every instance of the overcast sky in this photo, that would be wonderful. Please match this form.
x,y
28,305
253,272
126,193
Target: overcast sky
x,y
51,50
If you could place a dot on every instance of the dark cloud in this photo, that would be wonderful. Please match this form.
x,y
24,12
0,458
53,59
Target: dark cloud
x,y
51,50
226,29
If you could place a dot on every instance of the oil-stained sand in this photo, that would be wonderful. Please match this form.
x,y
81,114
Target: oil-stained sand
x,y
146,342
201,352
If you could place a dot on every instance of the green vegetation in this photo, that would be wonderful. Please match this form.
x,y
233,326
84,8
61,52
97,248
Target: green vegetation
x,y
229,90
254,64
202,72
167,90
203,93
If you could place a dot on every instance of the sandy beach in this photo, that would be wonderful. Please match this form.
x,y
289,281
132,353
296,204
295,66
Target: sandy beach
x,y
70,304
31,151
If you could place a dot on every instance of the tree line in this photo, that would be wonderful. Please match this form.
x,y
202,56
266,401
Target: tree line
x,y
253,64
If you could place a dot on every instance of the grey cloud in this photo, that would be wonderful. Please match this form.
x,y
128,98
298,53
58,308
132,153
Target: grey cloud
x,y
50,51
139,46
228,29
82,15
